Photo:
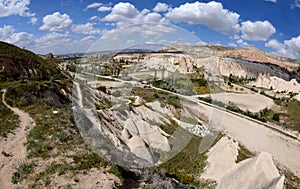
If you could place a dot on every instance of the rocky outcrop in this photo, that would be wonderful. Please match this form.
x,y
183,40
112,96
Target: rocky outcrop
x,y
254,54
277,84
257,172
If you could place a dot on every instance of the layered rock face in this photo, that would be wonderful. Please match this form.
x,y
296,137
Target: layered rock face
x,y
247,62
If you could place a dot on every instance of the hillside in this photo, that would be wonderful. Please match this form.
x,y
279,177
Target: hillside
x,y
144,109
18,64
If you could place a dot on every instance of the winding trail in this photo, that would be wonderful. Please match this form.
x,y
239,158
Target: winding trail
x,y
13,146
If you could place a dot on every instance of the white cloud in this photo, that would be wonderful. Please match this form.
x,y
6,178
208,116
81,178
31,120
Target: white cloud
x,y
288,48
293,46
161,7
104,8
211,14
232,45
257,31
94,18
88,39
242,43
9,35
33,20
22,39
56,22
54,36
273,1
15,7
122,12
296,4
93,5
151,17
87,28
274,44
6,31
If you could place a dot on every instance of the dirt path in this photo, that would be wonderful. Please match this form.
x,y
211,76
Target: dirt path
x,y
13,145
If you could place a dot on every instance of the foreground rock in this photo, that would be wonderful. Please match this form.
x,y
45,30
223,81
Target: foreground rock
x,y
257,172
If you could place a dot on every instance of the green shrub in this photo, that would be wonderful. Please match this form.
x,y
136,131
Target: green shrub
x,y
22,171
276,117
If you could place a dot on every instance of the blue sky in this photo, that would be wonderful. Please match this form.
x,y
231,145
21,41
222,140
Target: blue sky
x,y
65,26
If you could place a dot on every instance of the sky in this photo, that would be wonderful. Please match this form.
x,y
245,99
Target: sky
x,y
72,26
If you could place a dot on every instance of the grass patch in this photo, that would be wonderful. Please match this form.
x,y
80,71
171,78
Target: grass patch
x,y
169,128
186,164
243,153
291,181
8,120
88,160
51,169
51,131
21,172
293,108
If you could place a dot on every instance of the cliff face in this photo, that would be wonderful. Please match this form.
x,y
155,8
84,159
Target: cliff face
x,y
249,61
255,55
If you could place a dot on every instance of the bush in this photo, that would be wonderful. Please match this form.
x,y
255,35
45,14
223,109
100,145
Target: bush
x,y
71,68
102,88
22,171
276,117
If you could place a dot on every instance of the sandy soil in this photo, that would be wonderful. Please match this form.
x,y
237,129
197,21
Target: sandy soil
x,y
252,102
93,179
14,146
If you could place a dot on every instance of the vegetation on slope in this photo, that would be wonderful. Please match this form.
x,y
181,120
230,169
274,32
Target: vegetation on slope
x,y
18,64
8,120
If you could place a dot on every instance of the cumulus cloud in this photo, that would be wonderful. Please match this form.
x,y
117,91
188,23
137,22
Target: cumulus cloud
x,y
211,14
288,48
257,31
121,12
56,22
93,5
15,7
293,46
161,7
87,28
6,31
104,8
124,14
21,39
33,20
274,44
296,4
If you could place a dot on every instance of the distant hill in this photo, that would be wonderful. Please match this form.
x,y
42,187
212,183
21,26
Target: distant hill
x,y
17,64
